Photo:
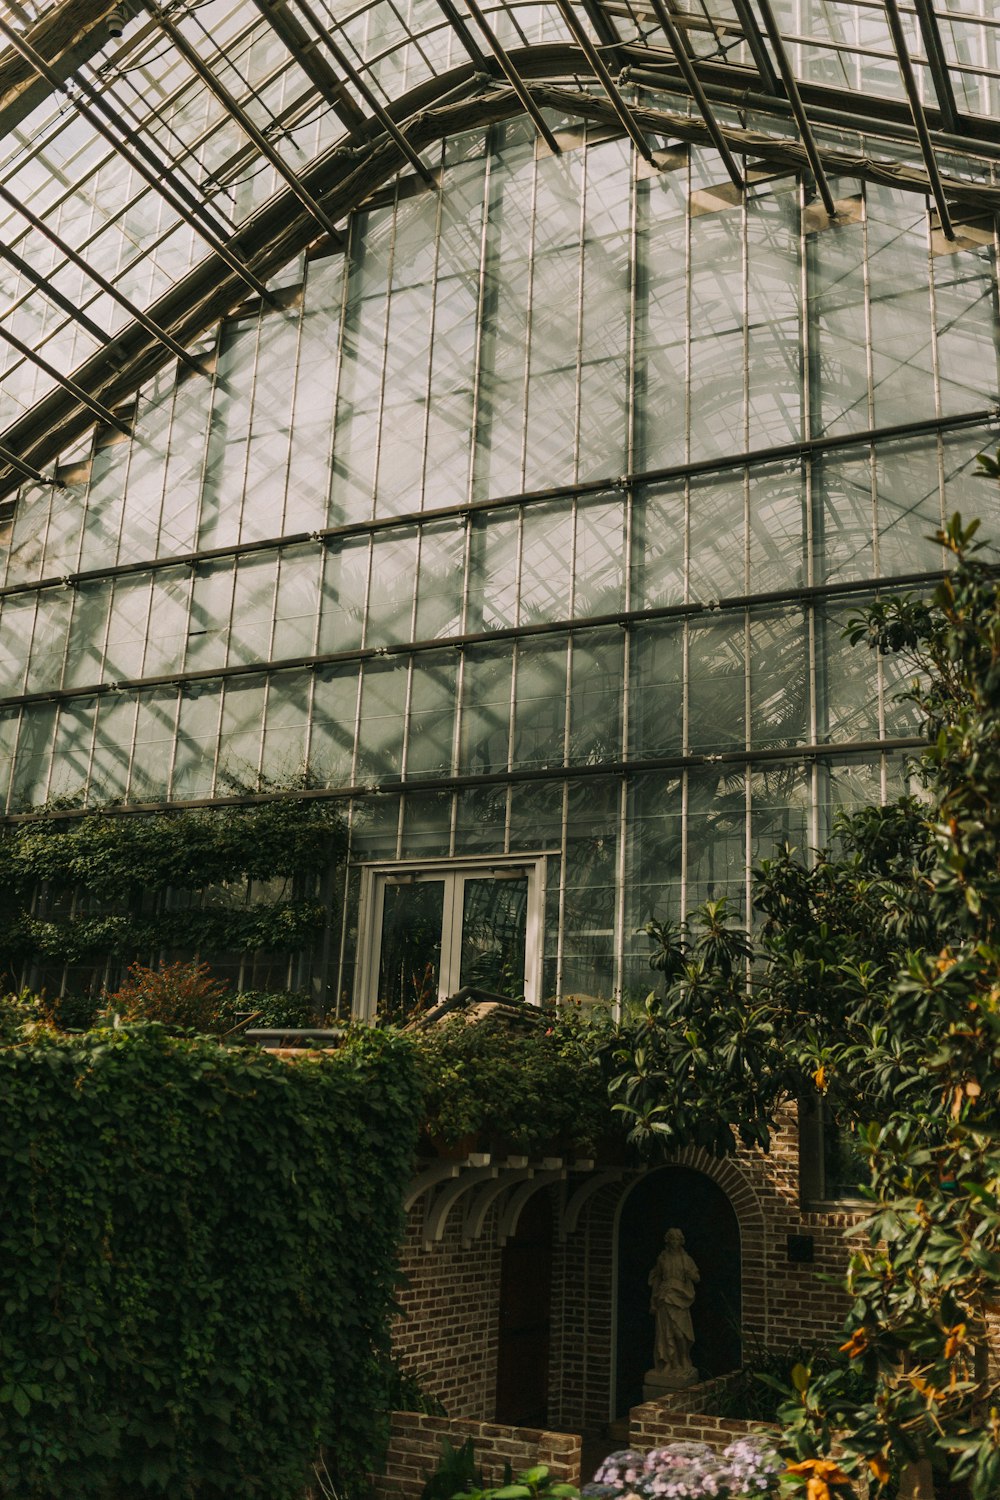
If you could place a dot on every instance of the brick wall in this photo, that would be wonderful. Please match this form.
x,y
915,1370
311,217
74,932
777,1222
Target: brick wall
x,y
447,1334
415,1449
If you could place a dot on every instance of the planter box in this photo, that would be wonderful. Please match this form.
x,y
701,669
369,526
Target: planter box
x,y
681,1417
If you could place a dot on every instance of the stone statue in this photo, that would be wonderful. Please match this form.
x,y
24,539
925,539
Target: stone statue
x,y
672,1282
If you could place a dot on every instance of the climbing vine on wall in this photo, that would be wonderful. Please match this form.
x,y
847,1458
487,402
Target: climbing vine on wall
x,y
199,1250
108,883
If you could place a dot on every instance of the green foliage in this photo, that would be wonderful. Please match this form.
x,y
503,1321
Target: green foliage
x,y
541,1087
533,1484
198,1251
268,1008
456,1473
139,880
703,1063
920,1058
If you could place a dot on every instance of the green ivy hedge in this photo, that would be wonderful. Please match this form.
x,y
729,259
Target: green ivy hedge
x,y
197,1250
111,859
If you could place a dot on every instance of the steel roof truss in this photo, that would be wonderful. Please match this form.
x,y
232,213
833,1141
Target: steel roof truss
x,y
600,70
235,110
161,181
513,76
919,118
677,45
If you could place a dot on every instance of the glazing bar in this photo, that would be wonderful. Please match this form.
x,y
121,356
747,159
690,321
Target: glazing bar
x,y
154,179
304,50
377,108
936,61
600,70
667,26
158,333
798,108
513,76
919,118
233,108
104,413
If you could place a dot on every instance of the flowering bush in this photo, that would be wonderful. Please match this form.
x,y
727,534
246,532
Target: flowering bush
x,y
747,1470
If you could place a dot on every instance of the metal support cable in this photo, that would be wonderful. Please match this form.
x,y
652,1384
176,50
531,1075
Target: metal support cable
x,y
374,104
233,108
158,333
938,64
797,107
600,70
919,118
155,180
104,413
513,76
670,31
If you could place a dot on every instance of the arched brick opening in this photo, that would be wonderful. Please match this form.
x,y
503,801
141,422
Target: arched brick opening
x,y
743,1196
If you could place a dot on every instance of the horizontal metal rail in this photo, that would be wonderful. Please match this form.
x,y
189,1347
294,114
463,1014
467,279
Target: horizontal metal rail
x,y
793,755
408,519
622,619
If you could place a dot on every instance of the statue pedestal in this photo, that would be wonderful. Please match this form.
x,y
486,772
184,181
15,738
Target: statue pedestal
x,y
659,1383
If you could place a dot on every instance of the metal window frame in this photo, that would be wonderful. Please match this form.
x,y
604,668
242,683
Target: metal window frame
x,y
454,871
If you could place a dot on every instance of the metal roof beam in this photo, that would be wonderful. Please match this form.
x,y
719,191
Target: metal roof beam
x,y
305,50
797,107
758,51
458,26
919,118
160,334
157,179
600,70
673,36
371,99
66,36
44,285
103,413
937,62
235,110
513,77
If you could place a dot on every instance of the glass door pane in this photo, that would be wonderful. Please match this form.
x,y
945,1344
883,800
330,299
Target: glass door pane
x,y
494,921
410,968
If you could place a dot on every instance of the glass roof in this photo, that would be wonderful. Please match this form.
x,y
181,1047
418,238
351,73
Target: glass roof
x,y
146,148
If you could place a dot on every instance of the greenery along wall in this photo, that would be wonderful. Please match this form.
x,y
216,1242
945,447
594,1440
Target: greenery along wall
x,y
82,897
198,1251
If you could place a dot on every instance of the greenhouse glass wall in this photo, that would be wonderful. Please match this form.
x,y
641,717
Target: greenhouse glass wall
x,y
525,521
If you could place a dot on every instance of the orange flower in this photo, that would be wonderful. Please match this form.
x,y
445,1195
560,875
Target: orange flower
x,y
819,1474
856,1344
879,1466
955,1338
819,1078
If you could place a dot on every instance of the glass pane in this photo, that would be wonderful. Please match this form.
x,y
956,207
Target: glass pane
x,y
493,933
411,948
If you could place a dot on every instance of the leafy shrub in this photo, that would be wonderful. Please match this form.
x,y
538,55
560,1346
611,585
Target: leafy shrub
x,y
268,1008
180,995
542,1086
198,1253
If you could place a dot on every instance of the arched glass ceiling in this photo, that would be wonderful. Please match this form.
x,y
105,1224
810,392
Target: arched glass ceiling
x,y
159,162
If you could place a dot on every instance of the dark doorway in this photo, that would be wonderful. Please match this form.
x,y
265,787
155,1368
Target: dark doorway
x,y
663,1199
525,1300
